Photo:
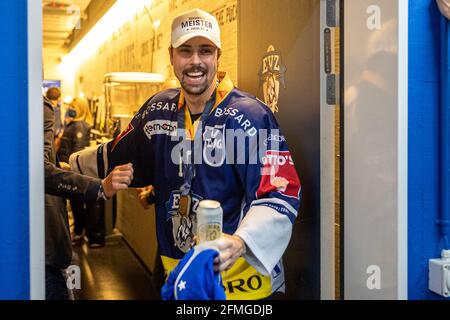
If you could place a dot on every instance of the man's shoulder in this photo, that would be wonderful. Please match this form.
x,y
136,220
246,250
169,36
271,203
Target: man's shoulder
x,y
248,103
244,106
49,113
163,102
47,104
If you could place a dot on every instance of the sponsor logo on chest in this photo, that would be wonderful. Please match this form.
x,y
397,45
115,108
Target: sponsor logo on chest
x,y
165,127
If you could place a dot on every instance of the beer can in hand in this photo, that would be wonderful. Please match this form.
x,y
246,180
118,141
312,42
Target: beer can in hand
x,y
209,220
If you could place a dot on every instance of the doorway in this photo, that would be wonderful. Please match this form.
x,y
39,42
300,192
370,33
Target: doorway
x,y
304,39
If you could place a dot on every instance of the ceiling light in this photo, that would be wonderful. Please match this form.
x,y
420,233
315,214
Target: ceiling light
x,y
121,12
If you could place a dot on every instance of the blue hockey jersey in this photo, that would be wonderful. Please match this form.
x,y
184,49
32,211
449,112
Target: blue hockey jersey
x,y
242,161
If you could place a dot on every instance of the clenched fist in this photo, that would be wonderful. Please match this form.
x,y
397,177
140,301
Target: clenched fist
x,y
119,179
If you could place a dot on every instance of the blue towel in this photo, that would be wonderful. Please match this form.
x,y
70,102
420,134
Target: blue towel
x,y
194,277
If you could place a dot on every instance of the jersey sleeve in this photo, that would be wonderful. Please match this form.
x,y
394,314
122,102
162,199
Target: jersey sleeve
x,y
130,146
272,191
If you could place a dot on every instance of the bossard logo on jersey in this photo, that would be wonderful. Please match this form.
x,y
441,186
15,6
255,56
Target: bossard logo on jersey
x,y
214,145
270,76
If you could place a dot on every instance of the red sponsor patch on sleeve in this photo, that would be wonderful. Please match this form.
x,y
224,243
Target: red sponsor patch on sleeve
x,y
278,174
122,135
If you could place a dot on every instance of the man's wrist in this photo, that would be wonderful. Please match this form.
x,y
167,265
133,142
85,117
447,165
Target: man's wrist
x,y
244,246
101,193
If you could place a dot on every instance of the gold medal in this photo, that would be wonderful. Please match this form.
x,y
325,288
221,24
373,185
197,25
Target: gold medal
x,y
185,205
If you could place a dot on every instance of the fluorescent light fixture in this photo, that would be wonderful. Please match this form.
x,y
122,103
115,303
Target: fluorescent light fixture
x,y
121,12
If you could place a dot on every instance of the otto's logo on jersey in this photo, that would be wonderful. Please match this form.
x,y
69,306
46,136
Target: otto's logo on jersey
x,y
166,127
124,133
277,158
271,75
279,174
214,145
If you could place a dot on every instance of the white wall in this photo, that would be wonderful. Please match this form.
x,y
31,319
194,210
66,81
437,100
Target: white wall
x,y
54,70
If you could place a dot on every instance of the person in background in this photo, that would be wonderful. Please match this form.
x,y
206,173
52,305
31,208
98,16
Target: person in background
x,y
77,130
54,96
76,137
61,184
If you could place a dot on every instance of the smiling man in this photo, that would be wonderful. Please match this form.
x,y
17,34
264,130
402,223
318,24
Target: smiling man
x,y
203,141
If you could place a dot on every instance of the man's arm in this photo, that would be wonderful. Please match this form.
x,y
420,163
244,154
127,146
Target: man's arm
x,y
59,182
272,201
71,185
131,146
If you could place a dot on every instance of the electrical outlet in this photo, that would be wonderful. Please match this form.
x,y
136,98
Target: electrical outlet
x,y
439,275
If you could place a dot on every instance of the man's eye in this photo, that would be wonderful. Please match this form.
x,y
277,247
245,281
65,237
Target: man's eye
x,y
206,51
184,50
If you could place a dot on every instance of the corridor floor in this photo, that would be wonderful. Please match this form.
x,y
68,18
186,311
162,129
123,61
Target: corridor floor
x,y
112,273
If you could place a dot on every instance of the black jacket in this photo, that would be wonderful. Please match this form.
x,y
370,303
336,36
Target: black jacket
x,y
75,138
60,184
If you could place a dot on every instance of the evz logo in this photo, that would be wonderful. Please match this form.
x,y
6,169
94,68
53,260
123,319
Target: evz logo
x,y
271,75
214,145
183,227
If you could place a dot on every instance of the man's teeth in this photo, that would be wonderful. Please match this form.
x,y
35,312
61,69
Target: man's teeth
x,y
195,74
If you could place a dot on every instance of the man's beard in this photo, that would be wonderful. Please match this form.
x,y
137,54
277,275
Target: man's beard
x,y
199,89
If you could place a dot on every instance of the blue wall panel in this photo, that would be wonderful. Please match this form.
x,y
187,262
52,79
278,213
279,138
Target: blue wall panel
x,y
14,234
423,158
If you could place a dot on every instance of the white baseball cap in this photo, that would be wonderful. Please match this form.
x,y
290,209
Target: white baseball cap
x,y
195,23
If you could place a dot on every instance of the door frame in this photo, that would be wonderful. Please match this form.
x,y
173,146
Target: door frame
x,y
35,152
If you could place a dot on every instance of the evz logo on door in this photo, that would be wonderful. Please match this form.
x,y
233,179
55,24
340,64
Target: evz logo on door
x,y
271,75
